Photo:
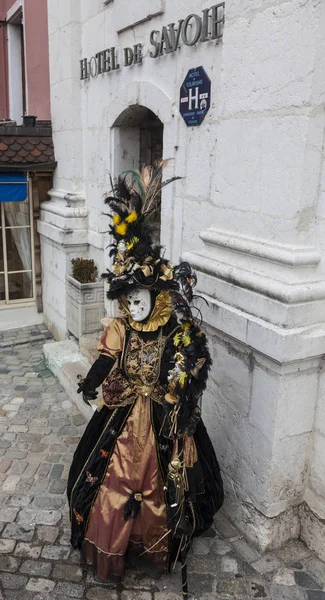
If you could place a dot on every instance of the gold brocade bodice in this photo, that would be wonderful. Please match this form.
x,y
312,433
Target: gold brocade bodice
x,y
139,375
143,359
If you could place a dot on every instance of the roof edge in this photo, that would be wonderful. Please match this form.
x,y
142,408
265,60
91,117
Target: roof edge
x,y
28,167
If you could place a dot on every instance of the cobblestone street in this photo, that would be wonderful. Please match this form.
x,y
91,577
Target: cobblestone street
x,y
40,428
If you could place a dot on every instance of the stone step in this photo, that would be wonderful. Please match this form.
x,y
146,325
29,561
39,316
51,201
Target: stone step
x,y
66,363
88,346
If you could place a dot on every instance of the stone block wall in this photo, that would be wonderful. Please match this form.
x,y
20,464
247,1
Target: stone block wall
x,y
261,417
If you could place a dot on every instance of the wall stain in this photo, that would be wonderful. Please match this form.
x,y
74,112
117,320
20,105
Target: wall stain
x,y
304,219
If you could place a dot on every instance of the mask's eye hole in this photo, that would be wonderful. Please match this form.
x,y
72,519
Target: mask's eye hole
x,y
129,302
136,302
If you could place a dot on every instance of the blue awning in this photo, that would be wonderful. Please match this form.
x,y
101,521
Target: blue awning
x,y
13,187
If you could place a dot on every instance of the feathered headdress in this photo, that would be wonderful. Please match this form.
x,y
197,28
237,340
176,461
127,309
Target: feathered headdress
x,y
134,199
137,261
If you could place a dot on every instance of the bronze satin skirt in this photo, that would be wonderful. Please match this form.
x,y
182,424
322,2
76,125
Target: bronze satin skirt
x,y
133,468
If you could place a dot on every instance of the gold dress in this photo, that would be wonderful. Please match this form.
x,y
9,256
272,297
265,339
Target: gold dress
x,y
123,458
133,466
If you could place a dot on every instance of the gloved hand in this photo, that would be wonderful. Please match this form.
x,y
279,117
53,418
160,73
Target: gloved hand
x,y
95,377
84,387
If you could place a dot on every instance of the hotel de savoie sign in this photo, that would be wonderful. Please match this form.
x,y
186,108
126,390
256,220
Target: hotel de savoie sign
x,y
190,31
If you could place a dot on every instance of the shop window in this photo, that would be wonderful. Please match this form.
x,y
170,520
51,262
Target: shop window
x,y
16,241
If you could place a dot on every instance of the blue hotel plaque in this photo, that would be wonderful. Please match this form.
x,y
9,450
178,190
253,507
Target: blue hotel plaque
x,y
195,96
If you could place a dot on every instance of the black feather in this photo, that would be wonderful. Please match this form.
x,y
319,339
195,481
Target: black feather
x,y
187,278
132,507
164,183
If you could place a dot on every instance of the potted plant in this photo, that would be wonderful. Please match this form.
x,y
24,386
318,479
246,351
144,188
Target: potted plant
x,y
85,298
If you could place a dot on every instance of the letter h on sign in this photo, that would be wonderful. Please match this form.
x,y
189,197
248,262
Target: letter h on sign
x,y
193,96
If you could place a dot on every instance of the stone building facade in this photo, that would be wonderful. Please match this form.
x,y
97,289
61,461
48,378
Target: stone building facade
x,y
27,157
249,214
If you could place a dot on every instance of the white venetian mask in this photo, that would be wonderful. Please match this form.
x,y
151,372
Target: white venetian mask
x,y
139,304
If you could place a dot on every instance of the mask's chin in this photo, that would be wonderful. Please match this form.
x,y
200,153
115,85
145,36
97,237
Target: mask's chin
x,y
139,318
139,304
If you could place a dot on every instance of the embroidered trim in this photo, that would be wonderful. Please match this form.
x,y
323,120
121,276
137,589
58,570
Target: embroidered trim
x,y
100,551
89,477
104,453
89,457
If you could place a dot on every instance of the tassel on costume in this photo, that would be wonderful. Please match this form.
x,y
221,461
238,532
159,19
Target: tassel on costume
x,y
178,520
133,504
176,509
176,481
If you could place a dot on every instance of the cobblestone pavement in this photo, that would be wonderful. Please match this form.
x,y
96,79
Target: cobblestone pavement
x,y
40,428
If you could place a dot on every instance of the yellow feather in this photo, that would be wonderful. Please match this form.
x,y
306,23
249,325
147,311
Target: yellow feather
x,y
177,338
122,228
186,340
131,243
182,379
131,217
116,219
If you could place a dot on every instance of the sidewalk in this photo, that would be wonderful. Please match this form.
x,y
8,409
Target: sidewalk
x,y
39,430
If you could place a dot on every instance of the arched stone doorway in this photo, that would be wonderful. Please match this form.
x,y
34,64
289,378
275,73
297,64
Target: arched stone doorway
x,y
138,141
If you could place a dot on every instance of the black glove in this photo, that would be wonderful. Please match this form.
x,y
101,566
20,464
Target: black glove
x,y
95,377
86,394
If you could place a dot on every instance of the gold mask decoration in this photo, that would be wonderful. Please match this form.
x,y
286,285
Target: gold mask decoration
x,y
168,272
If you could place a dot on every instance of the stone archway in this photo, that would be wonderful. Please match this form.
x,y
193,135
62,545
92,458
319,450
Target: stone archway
x,y
148,96
138,141
143,94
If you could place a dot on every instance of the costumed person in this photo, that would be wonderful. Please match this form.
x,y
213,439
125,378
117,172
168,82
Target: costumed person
x,y
144,477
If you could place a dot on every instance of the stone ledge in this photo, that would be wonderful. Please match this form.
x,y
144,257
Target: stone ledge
x,y
312,531
282,284
69,378
279,344
294,256
68,198
254,303
88,346
63,237
64,217
66,363
248,279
